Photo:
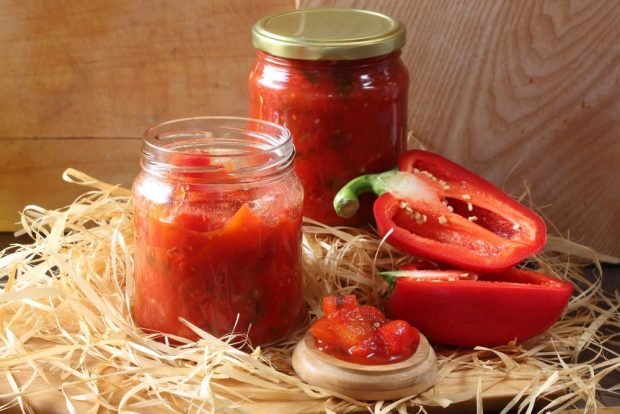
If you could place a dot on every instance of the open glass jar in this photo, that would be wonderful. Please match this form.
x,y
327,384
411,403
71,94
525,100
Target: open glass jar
x,y
218,229
335,79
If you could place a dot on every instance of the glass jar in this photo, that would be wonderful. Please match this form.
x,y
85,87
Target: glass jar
x,y
335,79
218,229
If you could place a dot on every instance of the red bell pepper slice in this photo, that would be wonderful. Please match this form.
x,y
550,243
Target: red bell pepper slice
x,y
437,209
464,309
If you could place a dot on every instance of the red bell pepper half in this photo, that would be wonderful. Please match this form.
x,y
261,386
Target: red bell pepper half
x,y
437,209
464,309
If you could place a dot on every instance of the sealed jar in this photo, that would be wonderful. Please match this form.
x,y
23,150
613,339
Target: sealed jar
x,y
335,79
218,229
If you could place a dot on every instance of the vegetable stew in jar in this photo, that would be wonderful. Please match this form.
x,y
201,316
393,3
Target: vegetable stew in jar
x,y
335,79
218,229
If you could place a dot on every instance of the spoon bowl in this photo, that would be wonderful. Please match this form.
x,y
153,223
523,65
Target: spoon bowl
x,y
366,382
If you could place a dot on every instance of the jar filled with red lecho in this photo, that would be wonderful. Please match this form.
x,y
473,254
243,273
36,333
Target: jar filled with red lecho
x,y
335,79
218,230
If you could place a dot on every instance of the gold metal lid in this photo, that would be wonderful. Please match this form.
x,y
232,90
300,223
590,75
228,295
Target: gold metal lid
x,y
328,34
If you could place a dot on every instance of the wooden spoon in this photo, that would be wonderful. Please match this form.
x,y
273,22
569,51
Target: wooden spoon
x,y
366,382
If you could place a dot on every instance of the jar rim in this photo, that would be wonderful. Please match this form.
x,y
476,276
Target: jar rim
x,y
217,148
328,34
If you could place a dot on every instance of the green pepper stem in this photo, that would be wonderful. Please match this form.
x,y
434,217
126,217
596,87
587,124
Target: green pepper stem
x,y
346,201
390,276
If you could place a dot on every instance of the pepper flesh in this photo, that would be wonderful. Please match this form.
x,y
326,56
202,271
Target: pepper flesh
x,y
437,209
464,309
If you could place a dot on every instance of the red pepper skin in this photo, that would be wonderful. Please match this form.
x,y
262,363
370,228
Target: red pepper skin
x,y
503,234
489,310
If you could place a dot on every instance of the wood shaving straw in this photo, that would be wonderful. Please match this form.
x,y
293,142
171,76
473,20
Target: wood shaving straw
x,y
67,334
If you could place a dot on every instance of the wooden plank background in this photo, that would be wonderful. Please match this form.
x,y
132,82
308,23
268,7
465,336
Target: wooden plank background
x,y
518,91
81,81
